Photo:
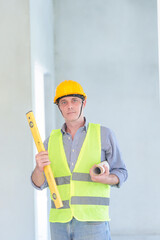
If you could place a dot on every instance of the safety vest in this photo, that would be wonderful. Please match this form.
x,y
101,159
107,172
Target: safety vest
x,y
82,198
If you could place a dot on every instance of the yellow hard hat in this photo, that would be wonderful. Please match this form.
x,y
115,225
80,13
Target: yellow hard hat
x,y
69,88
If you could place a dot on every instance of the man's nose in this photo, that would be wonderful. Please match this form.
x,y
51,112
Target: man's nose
x,y
70,105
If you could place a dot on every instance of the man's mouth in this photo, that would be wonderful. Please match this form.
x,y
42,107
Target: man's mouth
x,y
70,112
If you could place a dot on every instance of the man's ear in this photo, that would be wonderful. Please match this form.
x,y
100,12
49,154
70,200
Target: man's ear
x,y
84,103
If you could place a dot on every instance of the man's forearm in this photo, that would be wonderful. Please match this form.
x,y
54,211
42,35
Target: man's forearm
x,y
38,177
112,179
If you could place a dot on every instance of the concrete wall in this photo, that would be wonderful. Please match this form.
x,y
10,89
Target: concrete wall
x,y
16,193
111,48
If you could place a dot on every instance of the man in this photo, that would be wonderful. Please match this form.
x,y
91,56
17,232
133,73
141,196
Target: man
x,y
72,152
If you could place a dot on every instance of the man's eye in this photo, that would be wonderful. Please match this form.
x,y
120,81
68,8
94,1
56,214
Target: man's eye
x,y
75,100
63,103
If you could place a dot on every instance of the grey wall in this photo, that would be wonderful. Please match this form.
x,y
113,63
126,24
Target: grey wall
x,y
16,193
111,48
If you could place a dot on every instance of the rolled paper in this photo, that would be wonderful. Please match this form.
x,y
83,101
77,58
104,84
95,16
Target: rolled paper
x,y
99,169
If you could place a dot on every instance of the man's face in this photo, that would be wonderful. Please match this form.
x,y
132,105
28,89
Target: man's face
x,y
71,107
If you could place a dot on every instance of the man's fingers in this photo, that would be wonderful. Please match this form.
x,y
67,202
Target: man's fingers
x,y
43,164
42,160
43,153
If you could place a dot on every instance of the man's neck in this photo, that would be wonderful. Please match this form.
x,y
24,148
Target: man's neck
x,y
72,127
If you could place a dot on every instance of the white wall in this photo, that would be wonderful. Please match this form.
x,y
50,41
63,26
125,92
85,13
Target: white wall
x,y
111,48
158,12
16,193
26,42
42,70
42,49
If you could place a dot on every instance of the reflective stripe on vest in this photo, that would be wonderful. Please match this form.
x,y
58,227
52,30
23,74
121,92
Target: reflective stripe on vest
x,y
82,198
81,177
65,204
62,180
90,201
84,201
76,176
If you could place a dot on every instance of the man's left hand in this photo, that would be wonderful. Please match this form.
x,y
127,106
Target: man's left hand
x,y
105,178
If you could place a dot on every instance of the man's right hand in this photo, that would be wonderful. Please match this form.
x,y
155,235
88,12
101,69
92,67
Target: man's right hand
x,y
42,160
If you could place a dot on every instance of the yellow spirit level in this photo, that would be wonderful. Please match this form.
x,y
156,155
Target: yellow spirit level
x,y
47,169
